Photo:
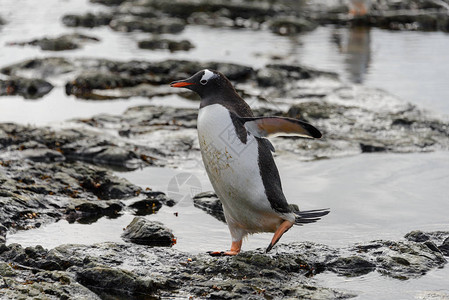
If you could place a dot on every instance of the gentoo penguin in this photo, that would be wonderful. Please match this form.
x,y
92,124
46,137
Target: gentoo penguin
x,y
239,163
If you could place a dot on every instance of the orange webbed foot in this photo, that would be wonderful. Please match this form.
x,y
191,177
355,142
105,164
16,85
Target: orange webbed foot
x,y
235,249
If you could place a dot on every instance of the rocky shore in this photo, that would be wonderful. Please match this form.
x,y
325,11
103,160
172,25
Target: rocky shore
x,y
111,270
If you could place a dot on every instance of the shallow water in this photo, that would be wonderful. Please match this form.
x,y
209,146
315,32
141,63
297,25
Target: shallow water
x,y
377,196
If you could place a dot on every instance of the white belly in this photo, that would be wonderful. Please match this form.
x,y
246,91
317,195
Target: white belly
x,y
233,170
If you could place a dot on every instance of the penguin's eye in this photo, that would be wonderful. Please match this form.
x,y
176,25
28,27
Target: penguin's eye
x,y
203,81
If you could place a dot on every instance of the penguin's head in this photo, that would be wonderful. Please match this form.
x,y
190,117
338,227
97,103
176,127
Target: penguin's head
x,y
205,83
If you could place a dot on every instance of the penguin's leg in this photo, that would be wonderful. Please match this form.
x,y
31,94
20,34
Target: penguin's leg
x,y
286,225
237,235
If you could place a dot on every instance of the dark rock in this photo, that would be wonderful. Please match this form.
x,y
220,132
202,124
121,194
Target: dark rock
x,y
42,155
209,202
88,212
129,270
112,281
163,44
444,247
151,233
431,239
88,20
279,75
64,42
417,236
108,2
151,204
291,25
372,148
33,193
40,67
27,88
351,266
3,231
146,207
402,260
154,25
410,15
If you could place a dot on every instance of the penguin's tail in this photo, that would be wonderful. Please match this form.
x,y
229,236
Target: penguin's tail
x,y
310,216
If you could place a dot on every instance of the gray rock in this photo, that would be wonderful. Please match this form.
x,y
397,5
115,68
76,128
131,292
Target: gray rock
x,y
210,203
129,270
61,43
3,231
154,25
166,44
351,266
108,281
291,25
34,193
88,20
42,155
27,88
439,239
146,232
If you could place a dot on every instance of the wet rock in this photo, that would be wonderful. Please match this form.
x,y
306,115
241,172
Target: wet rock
x,y
279,75
438,239
127,270
88,212
409,15
166,44
153,25
209,202
151,204
108,2
151,233
64,42
36,272
35,193
112,281
291,25
84,84
42,155
39,67
27,88
3,231
351,266
88,20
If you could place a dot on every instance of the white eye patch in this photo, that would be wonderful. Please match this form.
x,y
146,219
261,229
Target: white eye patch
x,y
207,76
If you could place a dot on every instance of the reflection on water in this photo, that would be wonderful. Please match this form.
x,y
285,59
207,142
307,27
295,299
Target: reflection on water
x,y
355,45
411,65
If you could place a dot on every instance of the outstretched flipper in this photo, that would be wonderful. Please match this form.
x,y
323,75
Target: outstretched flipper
x,y
274,126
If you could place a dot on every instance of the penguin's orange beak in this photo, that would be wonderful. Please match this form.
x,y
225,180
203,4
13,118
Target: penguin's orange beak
x,y
180,84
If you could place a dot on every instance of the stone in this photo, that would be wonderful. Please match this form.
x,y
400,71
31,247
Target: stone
x,y
27,88
88,20
154,25
146,232
210,203
166,44
61,43
291,25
